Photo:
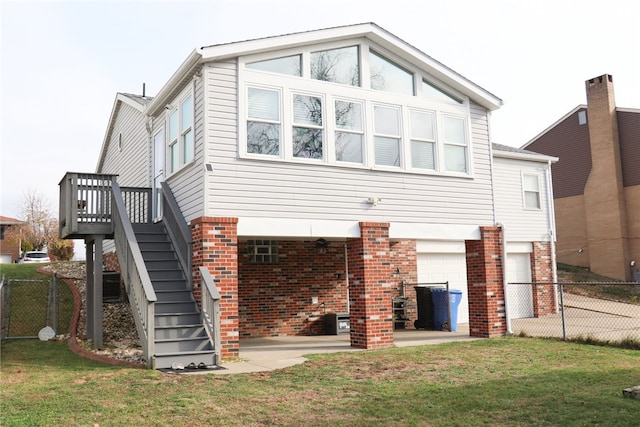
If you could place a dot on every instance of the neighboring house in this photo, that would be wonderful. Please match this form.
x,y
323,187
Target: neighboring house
x,y
596,182
328,171
9,251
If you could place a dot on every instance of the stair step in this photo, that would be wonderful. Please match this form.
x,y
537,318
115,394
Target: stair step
x,y
152,237
160,264
175,307
176,319
170,285
179,295
165,360
155,246
159,273
183,344
158,255
179,332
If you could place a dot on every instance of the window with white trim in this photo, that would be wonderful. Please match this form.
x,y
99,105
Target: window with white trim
x,y
262,251
349,134
308,131
263,124
386,135
423,139
180,134
455,143
531,190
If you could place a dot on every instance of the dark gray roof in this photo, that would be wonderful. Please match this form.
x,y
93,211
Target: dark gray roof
x,y
509,149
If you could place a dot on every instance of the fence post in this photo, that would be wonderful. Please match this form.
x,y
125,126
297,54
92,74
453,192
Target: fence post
x,y
54,284
564,326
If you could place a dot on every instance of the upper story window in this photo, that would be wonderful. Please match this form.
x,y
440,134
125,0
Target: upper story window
x,y
263,124
180,134
349,134
531,190
318,105
307,127
336,65
388,76
290,65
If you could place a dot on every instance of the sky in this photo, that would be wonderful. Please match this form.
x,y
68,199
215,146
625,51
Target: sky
x,y
64,61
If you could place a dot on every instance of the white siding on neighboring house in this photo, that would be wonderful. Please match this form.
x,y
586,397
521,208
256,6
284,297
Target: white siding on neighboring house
x,y
524,225
245,188
128,148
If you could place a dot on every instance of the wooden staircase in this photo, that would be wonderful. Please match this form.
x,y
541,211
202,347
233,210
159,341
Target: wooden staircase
x,y
180,337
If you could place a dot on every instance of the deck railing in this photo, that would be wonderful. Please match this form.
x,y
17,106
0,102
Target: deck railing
x,y
178,230
211,309
136,278
85,205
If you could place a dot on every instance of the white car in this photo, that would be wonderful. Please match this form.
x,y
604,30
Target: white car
x,y
36,256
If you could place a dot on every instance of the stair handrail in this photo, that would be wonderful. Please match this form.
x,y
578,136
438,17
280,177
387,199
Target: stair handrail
x,y
178,230
140,291
211,310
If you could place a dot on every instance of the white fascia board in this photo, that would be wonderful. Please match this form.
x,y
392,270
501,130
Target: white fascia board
x,y
404,230
160,100
370,31
297,228
532,157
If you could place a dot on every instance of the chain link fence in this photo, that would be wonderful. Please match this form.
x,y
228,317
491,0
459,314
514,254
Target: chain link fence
x,y
27,306
584,311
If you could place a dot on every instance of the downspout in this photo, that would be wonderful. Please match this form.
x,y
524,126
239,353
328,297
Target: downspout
x,y
504,277
552,235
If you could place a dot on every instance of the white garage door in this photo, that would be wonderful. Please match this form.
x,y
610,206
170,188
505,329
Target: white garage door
x,y
519,297
442,267
5,258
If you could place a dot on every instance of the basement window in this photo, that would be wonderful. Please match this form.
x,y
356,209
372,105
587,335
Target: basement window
x,y
262,251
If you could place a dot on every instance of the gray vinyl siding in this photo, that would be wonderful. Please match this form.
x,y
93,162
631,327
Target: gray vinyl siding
x,y
187,183
279,189
521,224
126,163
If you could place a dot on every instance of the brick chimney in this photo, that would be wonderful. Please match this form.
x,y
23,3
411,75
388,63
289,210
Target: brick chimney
x,y
604,192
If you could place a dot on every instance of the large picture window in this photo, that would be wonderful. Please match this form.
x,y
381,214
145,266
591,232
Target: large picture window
x,y
353,106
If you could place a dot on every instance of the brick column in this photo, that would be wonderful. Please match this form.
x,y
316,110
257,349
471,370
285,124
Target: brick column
x,y
215,246
370,287
544,297
485,284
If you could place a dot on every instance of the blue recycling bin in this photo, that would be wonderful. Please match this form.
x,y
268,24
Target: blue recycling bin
x,y
439,298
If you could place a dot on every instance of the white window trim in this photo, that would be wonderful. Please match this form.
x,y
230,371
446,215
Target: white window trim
x,y
523,174
176,106
330,92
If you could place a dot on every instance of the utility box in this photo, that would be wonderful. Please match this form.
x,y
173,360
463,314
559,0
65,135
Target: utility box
x,y
111,286
337,323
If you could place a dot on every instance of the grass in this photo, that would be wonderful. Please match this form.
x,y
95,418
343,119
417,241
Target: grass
x,y
505,381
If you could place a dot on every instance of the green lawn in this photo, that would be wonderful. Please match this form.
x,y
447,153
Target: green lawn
x,y
497,382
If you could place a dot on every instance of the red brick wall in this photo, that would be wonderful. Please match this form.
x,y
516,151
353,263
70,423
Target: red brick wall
x,y
215,246
371,287
485,284
276,299
544,301
403,256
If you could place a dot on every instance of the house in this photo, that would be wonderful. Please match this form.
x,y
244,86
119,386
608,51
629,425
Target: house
x,y
596,182
9,249
312,176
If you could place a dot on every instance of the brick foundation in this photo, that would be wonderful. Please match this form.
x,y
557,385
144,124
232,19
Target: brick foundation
x,y
215,246
544,296
485,284
370,287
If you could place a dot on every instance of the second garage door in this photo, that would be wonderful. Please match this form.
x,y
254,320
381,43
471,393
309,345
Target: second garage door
x,y
442,267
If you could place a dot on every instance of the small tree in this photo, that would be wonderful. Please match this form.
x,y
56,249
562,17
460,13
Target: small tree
x,y
40,227
62,250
